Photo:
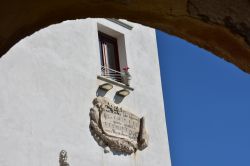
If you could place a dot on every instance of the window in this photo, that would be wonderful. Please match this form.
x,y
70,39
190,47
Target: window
x,y
109,52
110,59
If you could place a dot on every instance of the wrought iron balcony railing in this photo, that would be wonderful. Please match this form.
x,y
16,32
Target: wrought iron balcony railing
x,y
122,77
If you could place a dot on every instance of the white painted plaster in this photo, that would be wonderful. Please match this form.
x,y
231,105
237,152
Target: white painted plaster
x,y
48,81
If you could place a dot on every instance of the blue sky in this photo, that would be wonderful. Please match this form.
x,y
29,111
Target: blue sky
x,y
207,103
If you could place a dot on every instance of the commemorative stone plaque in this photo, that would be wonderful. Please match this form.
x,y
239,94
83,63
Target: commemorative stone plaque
x,y
115,128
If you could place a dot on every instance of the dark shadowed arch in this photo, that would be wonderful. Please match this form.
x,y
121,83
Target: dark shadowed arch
x,y
222,27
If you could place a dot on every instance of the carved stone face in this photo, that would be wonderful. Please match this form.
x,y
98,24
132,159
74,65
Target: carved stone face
x,y
63,157
63,153
97,102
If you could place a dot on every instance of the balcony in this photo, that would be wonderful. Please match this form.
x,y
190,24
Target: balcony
x,y
111,78
121,77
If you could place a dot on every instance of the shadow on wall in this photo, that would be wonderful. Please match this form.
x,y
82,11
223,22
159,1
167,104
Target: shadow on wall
x,y
117,98
101,92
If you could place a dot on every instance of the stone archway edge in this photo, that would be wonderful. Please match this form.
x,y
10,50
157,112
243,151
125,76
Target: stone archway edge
x,y
222,27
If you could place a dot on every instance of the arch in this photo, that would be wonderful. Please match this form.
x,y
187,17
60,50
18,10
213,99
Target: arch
x,y
220,27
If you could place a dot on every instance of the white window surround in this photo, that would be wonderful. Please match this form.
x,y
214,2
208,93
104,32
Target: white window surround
x,y
121,52
120,42
121,23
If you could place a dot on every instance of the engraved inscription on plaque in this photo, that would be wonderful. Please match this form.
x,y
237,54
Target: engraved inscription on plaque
x,y
115,128
119,123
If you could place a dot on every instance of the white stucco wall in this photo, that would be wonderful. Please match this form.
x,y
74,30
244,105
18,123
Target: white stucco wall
x,y
48,81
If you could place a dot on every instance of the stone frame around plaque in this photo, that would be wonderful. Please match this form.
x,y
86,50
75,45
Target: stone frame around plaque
x,y
116,129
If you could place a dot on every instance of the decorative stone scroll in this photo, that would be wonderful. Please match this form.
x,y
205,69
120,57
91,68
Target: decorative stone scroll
x,y
115,128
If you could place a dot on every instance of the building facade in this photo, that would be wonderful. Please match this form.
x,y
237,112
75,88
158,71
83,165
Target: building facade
x,y
53,82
